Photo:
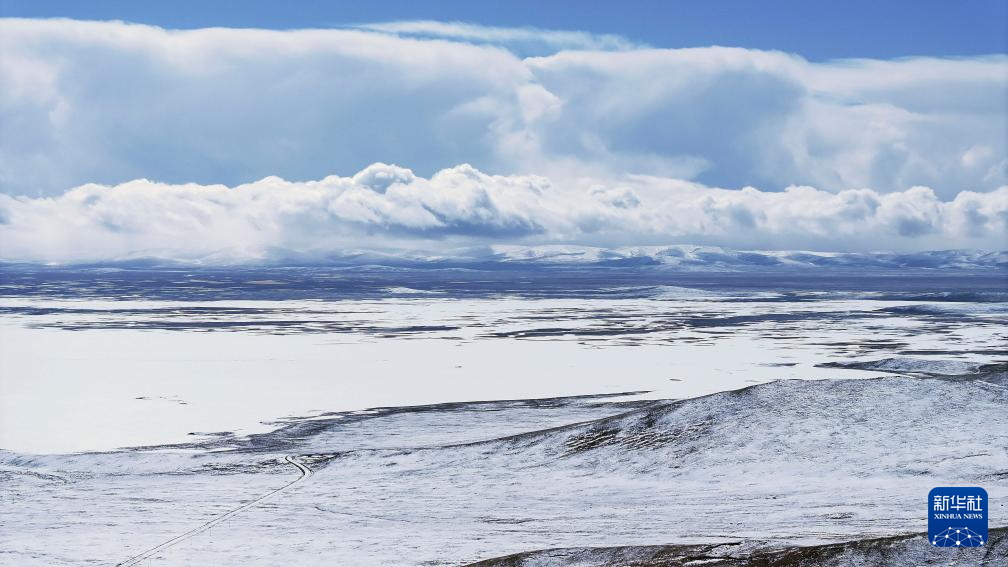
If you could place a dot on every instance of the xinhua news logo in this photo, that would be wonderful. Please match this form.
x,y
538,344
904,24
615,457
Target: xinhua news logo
x,y
957,516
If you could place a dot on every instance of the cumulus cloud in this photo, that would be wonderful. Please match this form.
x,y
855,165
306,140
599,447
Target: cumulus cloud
x,y
107,102
591,141
385,207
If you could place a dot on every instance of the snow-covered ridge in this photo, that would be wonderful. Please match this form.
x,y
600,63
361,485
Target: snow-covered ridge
x,y
782,428
699,257
764,469
899,551
928,367
681,257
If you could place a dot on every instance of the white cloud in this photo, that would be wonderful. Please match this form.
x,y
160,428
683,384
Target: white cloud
x,y
596,142
107,102
385,207
734,117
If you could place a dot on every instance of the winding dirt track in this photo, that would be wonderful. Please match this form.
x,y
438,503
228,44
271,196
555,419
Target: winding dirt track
x,y
305,473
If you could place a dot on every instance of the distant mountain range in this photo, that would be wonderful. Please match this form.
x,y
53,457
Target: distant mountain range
x,y
711,257
672,257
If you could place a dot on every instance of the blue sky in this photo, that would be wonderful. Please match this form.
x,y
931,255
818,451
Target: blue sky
x,y
816,30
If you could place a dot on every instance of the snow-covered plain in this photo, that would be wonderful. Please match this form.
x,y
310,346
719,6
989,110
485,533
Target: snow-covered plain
x,y
112,374
638,416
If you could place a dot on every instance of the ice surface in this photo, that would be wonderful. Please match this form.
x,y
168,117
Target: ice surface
x,y
110,374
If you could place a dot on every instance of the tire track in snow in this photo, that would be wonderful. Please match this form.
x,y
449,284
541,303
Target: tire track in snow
x,y
305,471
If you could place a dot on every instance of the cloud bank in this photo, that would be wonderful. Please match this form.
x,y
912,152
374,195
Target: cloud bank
x,y
85,102
385,207
593,141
